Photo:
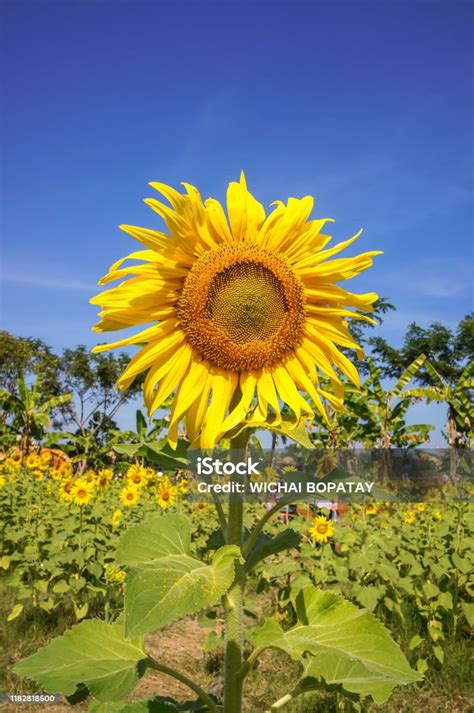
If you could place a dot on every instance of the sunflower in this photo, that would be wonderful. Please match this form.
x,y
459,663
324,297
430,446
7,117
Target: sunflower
x,y
66,488
137,476
245,311
183,485
116,517
33,462
81,492
166,496
321,529
410,517
103,477
129,496
371,509
421,507
2,481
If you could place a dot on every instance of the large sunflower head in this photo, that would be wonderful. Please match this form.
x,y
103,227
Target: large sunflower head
x,y
244,309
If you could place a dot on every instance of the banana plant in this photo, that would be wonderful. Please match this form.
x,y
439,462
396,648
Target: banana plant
x,y
384,410
375,416
28,414
460,411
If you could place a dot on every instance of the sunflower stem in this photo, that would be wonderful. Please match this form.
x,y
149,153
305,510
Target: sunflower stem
x,y
207,700
233,602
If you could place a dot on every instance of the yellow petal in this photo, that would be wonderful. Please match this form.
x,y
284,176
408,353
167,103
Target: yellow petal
x,y
239,413
197,411
298,374
288,392
291,224
146,335
172,378
319,257
267,395
246,215
223,387
169,333
188,391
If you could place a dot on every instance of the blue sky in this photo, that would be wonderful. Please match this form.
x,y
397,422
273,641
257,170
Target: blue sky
x,y
365,105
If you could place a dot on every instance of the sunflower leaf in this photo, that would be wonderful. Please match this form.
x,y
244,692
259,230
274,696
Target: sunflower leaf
x,y
92,653
267,545
174,586
155,538
297,431
341,646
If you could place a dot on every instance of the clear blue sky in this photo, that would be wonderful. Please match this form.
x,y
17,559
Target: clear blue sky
x,y
365,105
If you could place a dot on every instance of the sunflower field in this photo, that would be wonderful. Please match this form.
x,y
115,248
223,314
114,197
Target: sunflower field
x,y
125,590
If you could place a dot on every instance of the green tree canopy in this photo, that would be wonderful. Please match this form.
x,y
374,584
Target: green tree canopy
x,y
449,351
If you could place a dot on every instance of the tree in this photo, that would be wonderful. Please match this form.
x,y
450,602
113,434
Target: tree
x,y
446,350
28,356
29,413
92,379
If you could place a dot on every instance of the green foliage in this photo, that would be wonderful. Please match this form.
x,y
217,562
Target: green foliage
x,y
30,357
447,350
29,412
92,653
340,644
170,584
458,398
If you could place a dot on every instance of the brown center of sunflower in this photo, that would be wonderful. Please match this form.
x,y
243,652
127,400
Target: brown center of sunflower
x,y
242,308
322,528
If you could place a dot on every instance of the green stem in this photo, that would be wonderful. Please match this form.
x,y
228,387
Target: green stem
x,y
220,514
281,702
259,527
233,602
247,665
151,663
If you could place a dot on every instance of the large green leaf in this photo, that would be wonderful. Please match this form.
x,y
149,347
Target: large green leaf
x,y
348,646
92,653
172,587
155,538
267,545
408,374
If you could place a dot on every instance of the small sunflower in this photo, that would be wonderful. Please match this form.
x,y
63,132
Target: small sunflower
x,y
33,462
410,517
137,476
15,457
64,470
116,517
243,306
103,477
66,488
437,516
166,496
183,485
371,509
2,482
421,507
129,496
81,492
321,529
